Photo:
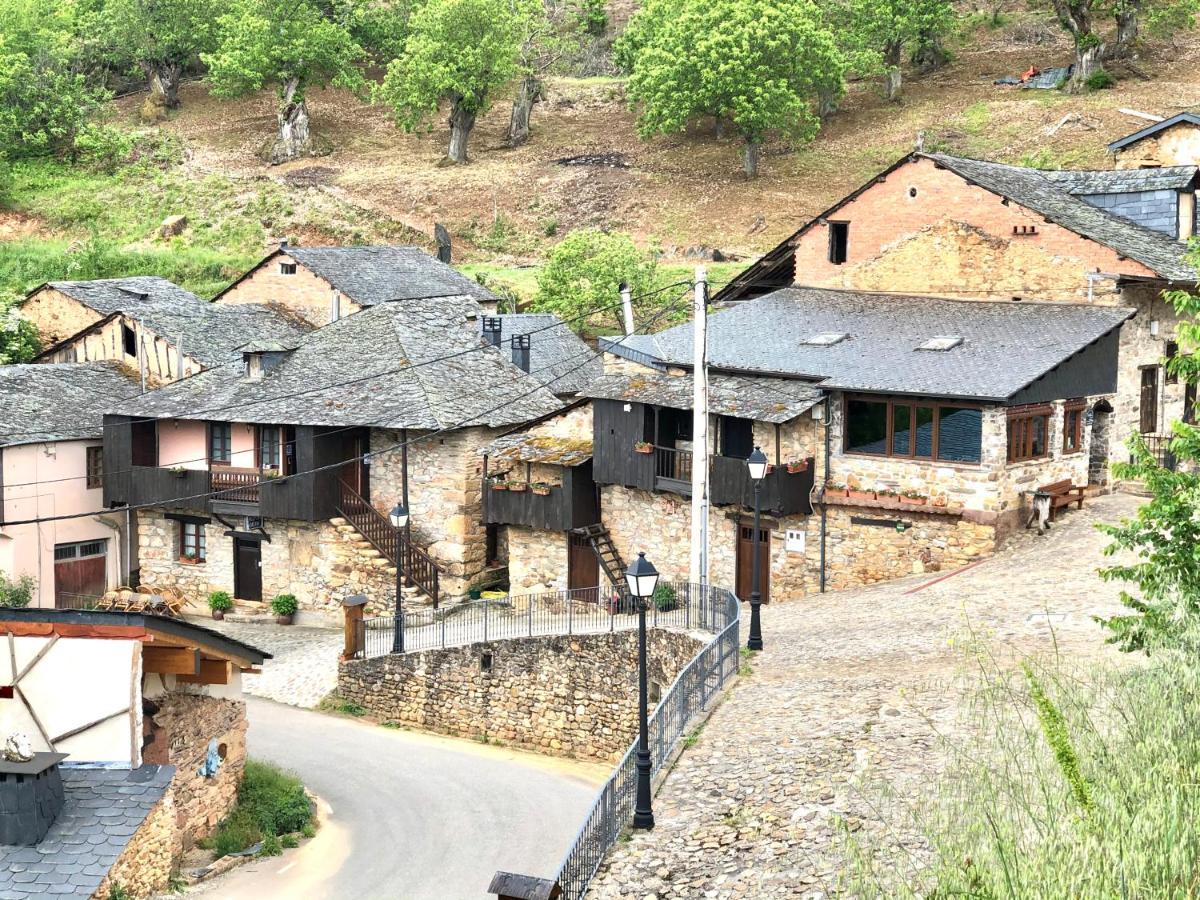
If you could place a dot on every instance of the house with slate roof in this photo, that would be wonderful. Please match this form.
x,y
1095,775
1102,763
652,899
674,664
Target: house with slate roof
x,y
323,284
51,464
287,490
944,226
905,434
1174,141
147,323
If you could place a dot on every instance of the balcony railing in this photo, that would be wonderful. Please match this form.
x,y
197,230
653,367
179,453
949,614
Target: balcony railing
x,y
236,485
673,469
781,493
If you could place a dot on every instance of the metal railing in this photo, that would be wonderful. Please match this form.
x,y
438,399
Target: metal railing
x,y
236,485
1159,446
417,566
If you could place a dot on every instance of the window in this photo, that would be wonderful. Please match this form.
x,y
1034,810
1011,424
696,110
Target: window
x,y
287,268
1073,427
737,437
220,441
911,429
88,549
839,242
268,447
129,340
95,467
191,541
1172,351
1028,430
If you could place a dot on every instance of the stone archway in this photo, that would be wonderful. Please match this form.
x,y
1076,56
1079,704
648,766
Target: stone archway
x,y
1102,432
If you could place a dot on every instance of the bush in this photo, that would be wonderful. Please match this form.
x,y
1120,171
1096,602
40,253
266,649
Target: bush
x,y
16,593
270,803
1099,81
664,598
284,605
585,272
220,601
103,148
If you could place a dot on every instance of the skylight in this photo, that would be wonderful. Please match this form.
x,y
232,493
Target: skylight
x,y
826,339
942,342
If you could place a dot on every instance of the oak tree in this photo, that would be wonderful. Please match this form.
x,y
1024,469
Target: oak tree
x,y
585,272
162,37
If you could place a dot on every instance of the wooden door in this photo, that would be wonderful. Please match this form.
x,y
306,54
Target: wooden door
x,y
289,449
1149,400
745,560
247,569
80,573
583,567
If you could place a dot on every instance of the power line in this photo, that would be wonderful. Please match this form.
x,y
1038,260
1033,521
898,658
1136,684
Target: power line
x,y
373,454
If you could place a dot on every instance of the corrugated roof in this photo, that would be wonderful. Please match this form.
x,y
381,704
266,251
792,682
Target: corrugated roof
x,y
557,355
745,396
60,401
370,275
1005,345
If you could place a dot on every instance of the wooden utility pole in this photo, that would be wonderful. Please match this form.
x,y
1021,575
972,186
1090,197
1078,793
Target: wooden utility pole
x,y
699,561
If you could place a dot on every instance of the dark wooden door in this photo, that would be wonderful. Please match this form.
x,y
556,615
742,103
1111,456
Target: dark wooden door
x,y
1149,400
289,449
247,569
80,573
583,567
745,561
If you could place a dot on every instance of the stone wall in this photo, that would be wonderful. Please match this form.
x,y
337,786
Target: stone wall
x,y
302,293
55,315
563,696
1178,145
537,560
144,867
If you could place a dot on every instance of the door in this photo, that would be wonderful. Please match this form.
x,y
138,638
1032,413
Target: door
x,y
356,471
289,449
247,569
1149,400
745,561
583,566
80,573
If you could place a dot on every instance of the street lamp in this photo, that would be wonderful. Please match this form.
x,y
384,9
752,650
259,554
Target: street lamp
x,y
399,518
757,464
642,579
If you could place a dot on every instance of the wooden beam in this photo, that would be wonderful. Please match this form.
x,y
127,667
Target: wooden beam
x,y
212,671
72,629
171,660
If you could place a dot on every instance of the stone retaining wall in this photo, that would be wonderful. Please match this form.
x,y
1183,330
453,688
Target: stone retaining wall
x,y
563,696
144,867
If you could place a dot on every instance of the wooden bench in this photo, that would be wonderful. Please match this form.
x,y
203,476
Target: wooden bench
x,y
1062,493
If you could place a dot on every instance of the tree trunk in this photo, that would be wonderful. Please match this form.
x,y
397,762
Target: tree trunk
x,y
930,55
164,83
891,79
1076,17
750,156
1127,31
461,123
1087,63
827,102
294,139
718,128
528,93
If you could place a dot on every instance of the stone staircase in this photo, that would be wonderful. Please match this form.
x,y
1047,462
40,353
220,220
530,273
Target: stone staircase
x,y
361,552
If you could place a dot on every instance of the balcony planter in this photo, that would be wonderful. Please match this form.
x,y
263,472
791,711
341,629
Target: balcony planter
x,y
190,560
860,495
643,447
178,471
836,490
913,499
542,490
796,466
499,486
518,487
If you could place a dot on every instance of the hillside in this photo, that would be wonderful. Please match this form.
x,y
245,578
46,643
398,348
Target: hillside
x,y
585,166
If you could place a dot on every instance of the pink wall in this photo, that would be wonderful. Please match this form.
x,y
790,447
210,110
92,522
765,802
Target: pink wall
x,y
185,443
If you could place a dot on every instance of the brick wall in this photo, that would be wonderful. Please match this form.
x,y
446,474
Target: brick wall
x,y
302,293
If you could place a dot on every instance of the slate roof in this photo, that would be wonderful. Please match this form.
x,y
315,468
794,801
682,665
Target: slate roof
x,y
1162,254
410,365
761,398
557,355
210,332
1005,346
1154,128
102,810
370,275
1123,181
540,448
59,401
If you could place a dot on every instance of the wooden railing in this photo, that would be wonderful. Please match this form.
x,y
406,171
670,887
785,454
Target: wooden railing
x,y
236,485
417,566
673,464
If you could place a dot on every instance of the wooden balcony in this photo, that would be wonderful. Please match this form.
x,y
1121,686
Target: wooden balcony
x,y
570,505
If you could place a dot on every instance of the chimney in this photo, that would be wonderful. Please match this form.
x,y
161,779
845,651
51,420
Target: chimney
x,y
31,797
1187,215
283,244
442,238
520,351
492,326
627,307
335,306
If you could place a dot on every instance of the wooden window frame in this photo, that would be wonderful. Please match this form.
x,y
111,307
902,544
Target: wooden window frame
x,y
94,467
261,446
196,531
1076,408
1025,415
912,403
287,268
213,460
833,242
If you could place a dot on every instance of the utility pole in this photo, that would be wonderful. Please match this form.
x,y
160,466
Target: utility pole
x,y
700,442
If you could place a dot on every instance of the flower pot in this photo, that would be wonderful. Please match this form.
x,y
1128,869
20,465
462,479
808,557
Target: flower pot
x,y
915,501
797,468
474,593
218,614
646,449
860,495
283,620
499,487
518,488
542,491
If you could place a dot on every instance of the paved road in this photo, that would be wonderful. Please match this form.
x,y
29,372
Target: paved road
x,y
410,816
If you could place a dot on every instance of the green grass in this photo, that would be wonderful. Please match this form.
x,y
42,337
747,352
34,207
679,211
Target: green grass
x,y
335,704
976,118
270,803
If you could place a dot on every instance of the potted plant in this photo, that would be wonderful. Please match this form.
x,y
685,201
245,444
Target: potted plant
x,y
664,597
856,492
886,494
914,497
835,487
499,485
270,474
189,556
284,607
795,466
220,603
178,471
541,489
643,447
518,486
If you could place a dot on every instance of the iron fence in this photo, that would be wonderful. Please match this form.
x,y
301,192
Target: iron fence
x,y
582,611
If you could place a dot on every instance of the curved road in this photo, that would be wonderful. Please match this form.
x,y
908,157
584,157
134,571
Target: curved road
x,y
409,816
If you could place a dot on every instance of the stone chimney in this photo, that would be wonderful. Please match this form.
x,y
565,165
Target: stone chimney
x,y
492,326
520,351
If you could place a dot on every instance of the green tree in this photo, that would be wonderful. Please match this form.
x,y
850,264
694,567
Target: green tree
x,y
293,45
758,65
550,33
460,52
585,271
162,37
18,338
1161,17
886,27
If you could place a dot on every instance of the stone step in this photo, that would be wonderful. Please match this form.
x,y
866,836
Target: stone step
x,y
337,521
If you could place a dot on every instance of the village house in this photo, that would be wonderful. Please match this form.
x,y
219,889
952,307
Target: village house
x,y
1175,141
323,284
51,465
289,489
147,323
938,225
135,763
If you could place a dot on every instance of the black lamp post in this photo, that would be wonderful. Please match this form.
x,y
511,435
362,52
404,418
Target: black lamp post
x,y
399,517
757,464
642,579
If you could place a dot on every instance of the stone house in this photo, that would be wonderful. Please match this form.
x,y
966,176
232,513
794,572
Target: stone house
x,y
944,226
276,474
1174,141
51,465
140,759
906,435
322,284
147,323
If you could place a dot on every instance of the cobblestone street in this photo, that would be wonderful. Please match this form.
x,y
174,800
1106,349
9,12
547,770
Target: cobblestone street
x,y
847,690
303,667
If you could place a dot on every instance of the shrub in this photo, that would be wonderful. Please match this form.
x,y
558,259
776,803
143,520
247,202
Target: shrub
x,y
284,605
220,601
16,592
271,803
1099,81
270,845
664,597
104,148
585,271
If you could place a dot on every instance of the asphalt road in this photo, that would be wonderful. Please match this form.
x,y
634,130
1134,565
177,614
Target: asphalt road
x,y
408,816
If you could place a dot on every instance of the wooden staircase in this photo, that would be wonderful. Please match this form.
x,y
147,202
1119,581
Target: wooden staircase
x,y
606,551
